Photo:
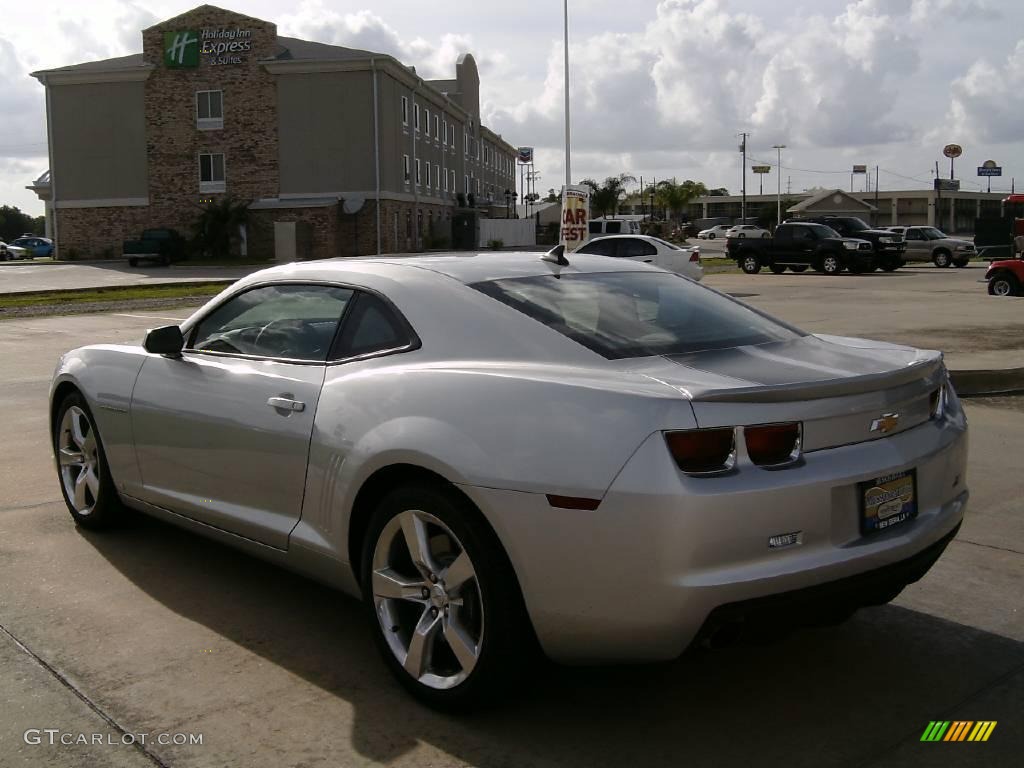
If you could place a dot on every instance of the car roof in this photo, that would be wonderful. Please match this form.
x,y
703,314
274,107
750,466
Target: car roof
x,y
463,267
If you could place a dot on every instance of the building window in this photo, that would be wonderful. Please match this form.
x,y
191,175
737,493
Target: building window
x,y
437,127
437,177
467,185
478,186
211,172
416,115
452,186
446,181
426,114
419,178
405,110
428,171
465,141
405,168
444,137
209,110
452,141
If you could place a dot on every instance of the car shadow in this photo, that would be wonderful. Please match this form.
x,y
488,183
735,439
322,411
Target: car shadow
x,y
822,697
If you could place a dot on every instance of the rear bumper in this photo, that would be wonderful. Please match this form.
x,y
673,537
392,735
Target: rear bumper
x,y
639,577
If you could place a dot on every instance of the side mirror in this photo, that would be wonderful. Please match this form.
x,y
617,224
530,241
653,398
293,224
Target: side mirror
x,y
164,341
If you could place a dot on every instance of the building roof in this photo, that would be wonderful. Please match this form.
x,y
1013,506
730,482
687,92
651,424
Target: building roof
x,y
104,65
294,49
845,198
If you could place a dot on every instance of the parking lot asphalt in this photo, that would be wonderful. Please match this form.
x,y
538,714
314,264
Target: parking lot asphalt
x,y
17,277
152,630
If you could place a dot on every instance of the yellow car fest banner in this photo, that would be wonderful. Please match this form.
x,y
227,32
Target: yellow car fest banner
x,y
575,216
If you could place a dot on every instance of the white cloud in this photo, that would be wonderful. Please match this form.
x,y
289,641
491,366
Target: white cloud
x,y
987,102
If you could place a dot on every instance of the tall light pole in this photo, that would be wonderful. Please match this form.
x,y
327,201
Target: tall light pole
x,y
778,183
743,204
568,172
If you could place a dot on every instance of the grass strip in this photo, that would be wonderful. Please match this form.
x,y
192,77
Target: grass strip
x,y
112,294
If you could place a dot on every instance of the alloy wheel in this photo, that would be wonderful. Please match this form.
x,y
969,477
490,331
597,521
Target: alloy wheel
x,y
1001,287
427,599
830,265
79,460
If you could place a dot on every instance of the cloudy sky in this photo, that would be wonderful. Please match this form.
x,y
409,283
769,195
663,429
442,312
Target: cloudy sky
x,y
659,89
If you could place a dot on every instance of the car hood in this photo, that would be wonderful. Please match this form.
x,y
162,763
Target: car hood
x,y
879,233
808,367
953,241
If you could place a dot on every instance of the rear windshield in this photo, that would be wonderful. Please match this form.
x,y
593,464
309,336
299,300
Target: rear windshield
x,y
637,314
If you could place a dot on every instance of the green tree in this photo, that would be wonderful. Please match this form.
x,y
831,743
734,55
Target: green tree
x,y
552,196
718,192
675,197
217,231
14,223
606,197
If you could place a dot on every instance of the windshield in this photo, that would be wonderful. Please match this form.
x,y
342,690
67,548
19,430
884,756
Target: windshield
x,y
856,225
822,231
637,314
932,233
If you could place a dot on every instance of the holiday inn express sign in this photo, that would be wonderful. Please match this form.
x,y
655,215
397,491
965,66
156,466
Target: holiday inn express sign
x,y
184,48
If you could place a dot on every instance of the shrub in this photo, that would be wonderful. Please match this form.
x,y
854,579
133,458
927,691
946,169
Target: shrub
x,y
495,245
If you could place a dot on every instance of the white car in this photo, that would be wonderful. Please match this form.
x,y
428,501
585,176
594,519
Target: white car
x,y
711,233
649,250
748,230
8,252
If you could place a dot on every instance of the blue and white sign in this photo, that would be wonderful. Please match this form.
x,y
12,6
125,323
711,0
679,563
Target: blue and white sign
x,y
983,171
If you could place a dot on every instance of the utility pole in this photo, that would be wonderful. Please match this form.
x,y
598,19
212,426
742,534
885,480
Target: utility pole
x,y
875,222
568,173
743,202
789,185
778,183
938,197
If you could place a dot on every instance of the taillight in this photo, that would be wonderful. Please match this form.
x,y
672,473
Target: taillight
x,y
703,451
773,444
695,255
937,402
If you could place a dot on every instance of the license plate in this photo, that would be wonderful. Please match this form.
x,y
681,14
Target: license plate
x,y
887,501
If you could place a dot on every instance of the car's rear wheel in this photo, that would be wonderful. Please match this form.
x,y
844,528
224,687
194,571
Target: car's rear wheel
x,y
961,263
1003,284
711,236
778,269
942,259
750,264
830,264
448,616
799,267
765,235
82,468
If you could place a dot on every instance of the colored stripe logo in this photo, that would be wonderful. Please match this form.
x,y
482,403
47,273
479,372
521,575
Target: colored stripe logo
x,y
958,730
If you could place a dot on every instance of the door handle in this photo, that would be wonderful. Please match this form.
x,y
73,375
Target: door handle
x,y
285,404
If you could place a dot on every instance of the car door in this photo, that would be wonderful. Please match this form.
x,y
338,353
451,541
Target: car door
x,y
918,246
222,431
635,249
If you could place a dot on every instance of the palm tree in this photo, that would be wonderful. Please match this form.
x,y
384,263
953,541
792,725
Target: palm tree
x,y
606,196
218,228
675,197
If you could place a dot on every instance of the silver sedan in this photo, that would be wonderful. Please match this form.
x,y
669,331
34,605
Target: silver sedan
x,y
497,453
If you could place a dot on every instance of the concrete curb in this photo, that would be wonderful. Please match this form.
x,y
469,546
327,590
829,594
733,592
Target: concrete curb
x,y
195,283
978,383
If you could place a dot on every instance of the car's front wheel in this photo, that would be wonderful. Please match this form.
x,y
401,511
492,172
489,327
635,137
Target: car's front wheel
x,y
82,468
942,259
1003,284
711,236
447,612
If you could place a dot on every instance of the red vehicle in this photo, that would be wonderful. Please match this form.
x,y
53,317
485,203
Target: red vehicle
x,y
1006,278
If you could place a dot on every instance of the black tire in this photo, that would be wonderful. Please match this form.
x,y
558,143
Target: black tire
x,y
165,261
831,264
106,509
766,235
741,235
750,264
507,642
133,262
777,269
961,263
942,259
711,236
1004,284
799,267
889,265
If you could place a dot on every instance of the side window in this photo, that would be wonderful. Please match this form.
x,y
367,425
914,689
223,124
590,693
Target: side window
x,y
600,247
594,227
632,248
913,234
614,227
783,233
801,234
372,326
295,322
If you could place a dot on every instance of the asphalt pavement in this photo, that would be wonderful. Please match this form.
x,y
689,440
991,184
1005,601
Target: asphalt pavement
x,y
151,630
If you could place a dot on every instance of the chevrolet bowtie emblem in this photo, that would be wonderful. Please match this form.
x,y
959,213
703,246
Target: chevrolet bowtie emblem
x,y
885,423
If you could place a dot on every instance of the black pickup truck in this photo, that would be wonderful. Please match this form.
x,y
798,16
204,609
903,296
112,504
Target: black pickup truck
x,y
802,245
160,245
889,246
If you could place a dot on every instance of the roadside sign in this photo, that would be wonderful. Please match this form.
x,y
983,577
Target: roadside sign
x,y
575,216
860,169
526,155
990,170
952,150
947,185
761,168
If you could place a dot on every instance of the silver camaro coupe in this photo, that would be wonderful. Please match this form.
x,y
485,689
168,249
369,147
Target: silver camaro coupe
x,y
505,451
